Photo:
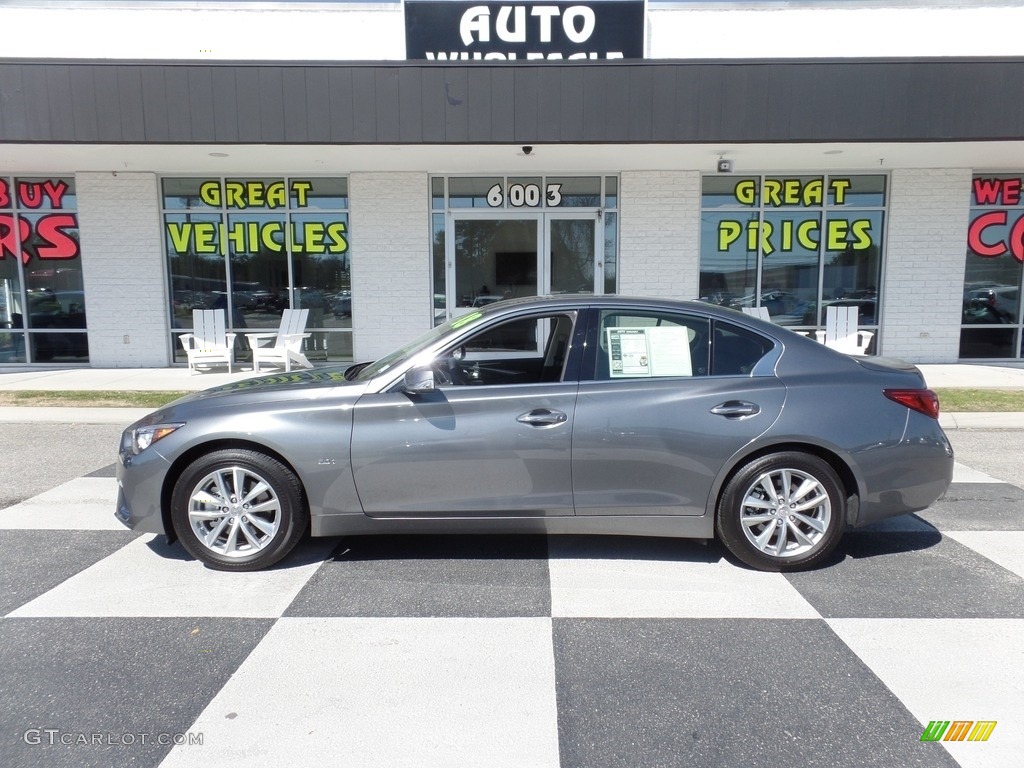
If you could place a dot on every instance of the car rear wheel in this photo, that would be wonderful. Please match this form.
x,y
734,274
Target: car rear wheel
x,y
238,510
782,512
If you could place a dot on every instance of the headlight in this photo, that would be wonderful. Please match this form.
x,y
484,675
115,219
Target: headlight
x,y
139,439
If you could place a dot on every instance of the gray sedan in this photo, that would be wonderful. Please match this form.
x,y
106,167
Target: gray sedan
x,y
572,414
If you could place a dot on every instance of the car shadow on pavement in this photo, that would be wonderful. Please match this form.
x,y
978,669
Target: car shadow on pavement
x,y
307,552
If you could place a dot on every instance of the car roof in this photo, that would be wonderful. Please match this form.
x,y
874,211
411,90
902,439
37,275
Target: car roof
x,y
567,300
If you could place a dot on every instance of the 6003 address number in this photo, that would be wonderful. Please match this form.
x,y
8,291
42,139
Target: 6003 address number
x,y
525,195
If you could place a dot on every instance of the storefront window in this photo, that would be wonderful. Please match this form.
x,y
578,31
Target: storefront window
x,y
42,301
256,246
793,244
994,272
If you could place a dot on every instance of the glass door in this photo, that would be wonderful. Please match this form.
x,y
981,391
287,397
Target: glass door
x,y
571,246
521,254
492,259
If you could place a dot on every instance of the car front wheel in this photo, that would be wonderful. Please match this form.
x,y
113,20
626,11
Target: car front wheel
x,y
781,512
238,510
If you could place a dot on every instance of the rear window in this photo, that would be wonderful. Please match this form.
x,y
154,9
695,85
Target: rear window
x,y
735,351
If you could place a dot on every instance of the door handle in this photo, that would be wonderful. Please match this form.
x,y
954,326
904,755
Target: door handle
x,y
736,409
542,417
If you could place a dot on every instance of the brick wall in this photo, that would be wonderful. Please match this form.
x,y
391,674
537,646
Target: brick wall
x,y
390,225
659,234
923,286
123,269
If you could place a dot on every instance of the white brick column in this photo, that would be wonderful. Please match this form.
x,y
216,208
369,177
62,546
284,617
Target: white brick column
x,y
390,238
922,300
123,270
659,234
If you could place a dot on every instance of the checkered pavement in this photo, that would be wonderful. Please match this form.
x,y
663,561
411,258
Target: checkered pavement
x,y
510,651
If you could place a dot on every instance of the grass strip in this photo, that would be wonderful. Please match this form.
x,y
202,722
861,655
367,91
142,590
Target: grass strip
x,y
89,399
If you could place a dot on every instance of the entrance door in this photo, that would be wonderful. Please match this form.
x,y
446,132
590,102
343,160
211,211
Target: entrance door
x,y
493,259
571,245
521,254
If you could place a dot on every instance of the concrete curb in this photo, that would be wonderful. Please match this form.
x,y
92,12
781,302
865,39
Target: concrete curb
x,y
1010,420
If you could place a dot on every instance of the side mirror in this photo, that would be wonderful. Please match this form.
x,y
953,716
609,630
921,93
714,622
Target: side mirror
x,y
419,380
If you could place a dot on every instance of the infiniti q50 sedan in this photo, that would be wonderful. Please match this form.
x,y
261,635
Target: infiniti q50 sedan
x,y
569,414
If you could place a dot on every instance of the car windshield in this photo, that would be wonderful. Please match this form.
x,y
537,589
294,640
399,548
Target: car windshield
x,y
401,354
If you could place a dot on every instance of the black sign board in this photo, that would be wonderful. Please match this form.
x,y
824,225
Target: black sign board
x,y
444,30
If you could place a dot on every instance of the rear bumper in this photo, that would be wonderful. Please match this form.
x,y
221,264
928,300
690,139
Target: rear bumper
x,y
906,477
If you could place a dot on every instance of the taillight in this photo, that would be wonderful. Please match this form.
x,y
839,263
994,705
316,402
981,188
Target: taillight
x,y
921,400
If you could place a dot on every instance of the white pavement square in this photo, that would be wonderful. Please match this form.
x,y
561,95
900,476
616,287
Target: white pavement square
x,y
388,693
636,588
136,581
84,504
934,666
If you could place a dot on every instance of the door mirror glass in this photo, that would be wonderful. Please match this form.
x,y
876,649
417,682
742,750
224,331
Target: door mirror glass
x,y
419,380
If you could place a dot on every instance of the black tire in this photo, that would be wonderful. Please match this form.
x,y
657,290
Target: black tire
x,y
751,519
247,531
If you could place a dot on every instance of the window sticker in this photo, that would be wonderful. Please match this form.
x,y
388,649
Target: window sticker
x,y
648,352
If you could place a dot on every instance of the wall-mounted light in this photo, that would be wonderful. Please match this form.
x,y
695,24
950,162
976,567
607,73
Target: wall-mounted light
x,y
724,166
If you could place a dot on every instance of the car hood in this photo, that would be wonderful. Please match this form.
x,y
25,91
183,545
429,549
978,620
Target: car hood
x,y
292,386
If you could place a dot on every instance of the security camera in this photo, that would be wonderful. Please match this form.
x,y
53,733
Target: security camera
x,y
725,166
527,150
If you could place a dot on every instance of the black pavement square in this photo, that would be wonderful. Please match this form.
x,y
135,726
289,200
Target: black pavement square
x,y
36,561
427,576
727,692
103,692
910,575
978,507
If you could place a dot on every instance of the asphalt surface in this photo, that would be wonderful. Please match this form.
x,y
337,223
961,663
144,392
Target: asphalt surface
x,y
41,456
576,652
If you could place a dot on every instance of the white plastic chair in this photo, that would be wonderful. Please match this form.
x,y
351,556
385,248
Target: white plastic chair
x,y
761,312
841,332
209,343
286,348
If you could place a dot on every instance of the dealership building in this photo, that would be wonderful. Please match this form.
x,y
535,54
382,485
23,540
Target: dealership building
x,y
390,165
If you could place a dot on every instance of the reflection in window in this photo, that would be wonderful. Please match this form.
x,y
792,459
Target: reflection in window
x,y
992,326
793,244
257,246
42,301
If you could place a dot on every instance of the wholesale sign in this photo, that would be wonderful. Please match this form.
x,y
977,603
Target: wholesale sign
x,y
440,30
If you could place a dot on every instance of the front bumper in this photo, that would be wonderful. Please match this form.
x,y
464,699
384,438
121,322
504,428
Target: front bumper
x,y
140,491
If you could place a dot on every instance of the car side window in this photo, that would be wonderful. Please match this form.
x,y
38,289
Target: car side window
x,y
735,351
530,350
651,344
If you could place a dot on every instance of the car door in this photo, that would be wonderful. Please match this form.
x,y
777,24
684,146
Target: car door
x,y
670,399
493,438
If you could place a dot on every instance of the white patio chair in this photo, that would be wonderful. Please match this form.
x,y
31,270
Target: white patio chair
x,y
761,312
209,343
283,347
841,332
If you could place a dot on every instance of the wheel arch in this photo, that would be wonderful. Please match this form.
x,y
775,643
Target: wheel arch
x,y
842,468
186,458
